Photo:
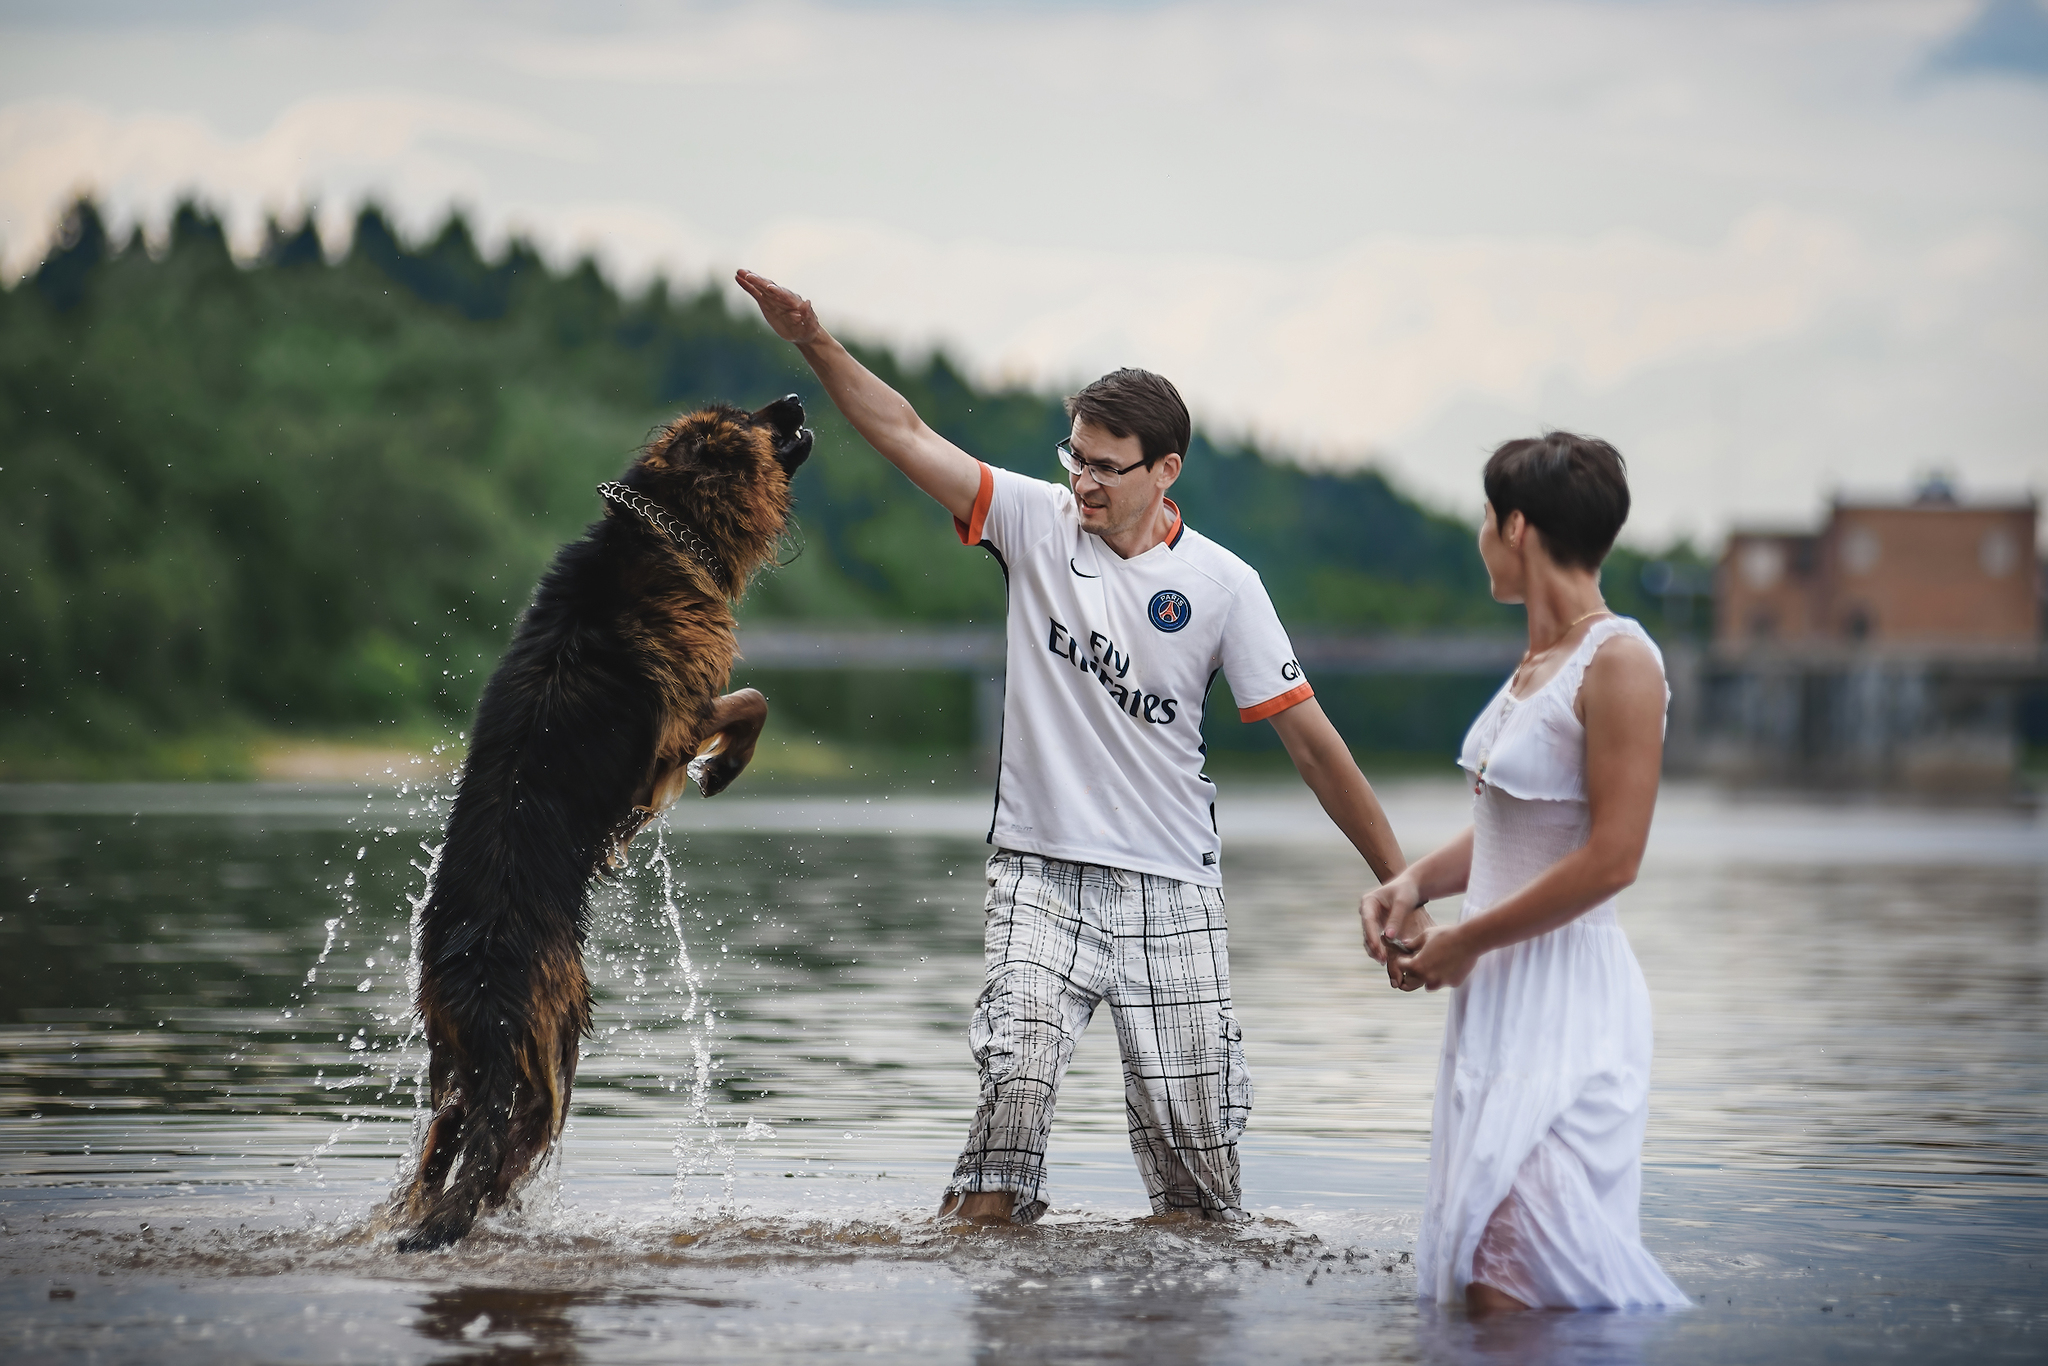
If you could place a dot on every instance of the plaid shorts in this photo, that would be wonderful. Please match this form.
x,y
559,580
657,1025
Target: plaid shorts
x,y
1061,938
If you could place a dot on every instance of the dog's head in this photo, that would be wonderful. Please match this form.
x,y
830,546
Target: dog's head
x,y
725,472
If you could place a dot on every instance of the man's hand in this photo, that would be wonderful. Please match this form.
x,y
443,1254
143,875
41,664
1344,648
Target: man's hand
x,y
884,419
1392,908
789,313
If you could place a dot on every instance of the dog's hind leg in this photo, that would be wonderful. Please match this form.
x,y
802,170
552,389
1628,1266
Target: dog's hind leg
x,y
438,1149
437,1155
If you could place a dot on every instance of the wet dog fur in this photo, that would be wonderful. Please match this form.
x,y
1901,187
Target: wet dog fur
x,y
611,686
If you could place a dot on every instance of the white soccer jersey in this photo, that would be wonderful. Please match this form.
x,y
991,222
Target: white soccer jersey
x,y
1109,662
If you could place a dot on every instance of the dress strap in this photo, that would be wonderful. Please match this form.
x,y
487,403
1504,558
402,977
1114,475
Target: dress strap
x,y
1573,674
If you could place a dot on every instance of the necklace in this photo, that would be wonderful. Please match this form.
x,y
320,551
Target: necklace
x,y
652,513
1485,754
1529,655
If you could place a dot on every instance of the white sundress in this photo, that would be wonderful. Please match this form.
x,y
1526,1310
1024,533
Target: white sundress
x,y
1543,1090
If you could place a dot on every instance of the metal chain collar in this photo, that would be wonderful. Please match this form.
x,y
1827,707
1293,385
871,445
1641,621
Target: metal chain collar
x,y
655,516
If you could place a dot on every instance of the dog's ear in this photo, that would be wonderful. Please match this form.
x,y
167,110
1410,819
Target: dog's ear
x,y
731,445
669,450
689,446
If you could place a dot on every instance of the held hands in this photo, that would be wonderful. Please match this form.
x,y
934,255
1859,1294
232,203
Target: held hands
x,y
788,313
1443,957
1392,909
1427,954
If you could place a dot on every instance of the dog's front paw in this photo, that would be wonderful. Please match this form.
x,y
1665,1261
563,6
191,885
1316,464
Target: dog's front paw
x,y
713,773
736,720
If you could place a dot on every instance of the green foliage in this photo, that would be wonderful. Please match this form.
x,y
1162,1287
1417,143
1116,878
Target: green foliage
x,y
314,494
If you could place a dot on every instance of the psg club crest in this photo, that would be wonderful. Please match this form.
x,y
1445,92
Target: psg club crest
x,y
1169,610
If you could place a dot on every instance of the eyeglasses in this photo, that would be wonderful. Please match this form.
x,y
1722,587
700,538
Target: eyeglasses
x,y
1109,476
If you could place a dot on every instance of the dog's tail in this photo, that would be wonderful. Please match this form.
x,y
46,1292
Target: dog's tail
x,y
501,1095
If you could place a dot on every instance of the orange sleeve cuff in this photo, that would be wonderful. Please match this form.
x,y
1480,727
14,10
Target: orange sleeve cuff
x,y
1273,706
969,531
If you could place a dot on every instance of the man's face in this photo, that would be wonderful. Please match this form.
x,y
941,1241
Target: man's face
x,y
1114,511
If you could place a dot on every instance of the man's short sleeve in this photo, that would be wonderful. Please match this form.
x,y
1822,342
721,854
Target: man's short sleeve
x,y
1258,659
1010,510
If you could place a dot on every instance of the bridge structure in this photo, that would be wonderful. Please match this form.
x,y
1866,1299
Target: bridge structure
x,y
1862,714
978,652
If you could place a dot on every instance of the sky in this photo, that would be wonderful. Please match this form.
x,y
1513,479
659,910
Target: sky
x,y
1777,251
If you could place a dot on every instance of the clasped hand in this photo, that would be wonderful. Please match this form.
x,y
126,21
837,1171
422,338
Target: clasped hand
x,y
1438,956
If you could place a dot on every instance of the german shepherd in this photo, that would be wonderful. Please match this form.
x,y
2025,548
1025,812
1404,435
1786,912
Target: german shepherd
x,y
586,731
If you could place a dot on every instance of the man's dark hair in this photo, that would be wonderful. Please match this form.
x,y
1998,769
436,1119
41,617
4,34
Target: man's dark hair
x,y
1573,489
1137,403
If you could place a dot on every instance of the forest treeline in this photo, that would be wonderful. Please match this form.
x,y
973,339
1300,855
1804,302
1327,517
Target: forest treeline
x,y
314,494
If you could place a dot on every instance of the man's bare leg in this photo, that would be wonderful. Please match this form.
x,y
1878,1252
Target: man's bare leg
x,y
1484,1299
979,1207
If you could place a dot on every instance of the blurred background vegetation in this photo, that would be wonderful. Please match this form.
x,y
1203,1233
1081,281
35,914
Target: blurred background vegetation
x,y
302,499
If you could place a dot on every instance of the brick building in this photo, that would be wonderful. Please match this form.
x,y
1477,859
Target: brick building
x,y
1893,646
1930,572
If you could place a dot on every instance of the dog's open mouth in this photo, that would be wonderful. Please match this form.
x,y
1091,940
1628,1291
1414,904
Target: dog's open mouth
x,y
792,439
792,451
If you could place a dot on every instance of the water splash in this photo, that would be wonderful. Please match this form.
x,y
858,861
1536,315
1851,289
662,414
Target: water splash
x,y
407,1060
309,1163
657,1017
698,1145
384,1059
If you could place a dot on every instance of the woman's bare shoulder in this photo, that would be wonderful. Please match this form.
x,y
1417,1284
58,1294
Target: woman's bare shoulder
x,y
1625,669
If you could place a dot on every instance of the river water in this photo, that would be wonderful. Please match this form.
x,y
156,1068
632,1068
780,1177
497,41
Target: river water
x,y
208,1087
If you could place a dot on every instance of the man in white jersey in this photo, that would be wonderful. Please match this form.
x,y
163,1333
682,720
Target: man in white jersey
x,y
1106,884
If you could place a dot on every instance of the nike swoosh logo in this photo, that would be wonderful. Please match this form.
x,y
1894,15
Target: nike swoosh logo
x,y
1075,565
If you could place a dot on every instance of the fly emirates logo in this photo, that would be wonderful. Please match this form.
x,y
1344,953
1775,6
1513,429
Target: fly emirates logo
x,y
1110,668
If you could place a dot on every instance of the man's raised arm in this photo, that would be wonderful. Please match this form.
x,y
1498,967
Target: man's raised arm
x,y
881,415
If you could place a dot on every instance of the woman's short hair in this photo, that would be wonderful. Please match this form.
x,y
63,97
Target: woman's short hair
x,y
1138,403
1573,489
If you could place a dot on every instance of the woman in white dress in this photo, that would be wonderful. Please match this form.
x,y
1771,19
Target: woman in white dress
x,y
1535,1161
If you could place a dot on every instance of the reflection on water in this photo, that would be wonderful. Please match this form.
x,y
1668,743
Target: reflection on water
x,y
208,1087
527,1325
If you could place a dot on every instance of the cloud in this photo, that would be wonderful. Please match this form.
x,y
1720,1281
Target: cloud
x,y
1738,238
329,149
1933,361
2008,37
1345,352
